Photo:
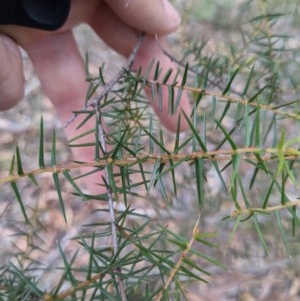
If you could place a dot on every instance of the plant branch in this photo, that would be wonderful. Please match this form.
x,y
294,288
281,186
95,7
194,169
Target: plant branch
x,y
249,153
228,98
95,103
180,260
251,211
101,138
73,290
219,84
109,86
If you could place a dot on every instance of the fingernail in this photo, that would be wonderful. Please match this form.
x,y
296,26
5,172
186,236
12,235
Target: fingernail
x,y
9,43
171,12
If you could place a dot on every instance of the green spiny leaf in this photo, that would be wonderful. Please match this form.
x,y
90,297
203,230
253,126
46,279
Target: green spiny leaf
x,y
248,82
195,265
59,194
255,96
199,171
152,138
283,234
185,74
119,143
227,136
20,201
260,234
178,98
73,184
12,165
157,71
19,162
53,148
171,105
68,266
195,133
228,86
167,76
159,96
31,285
41,147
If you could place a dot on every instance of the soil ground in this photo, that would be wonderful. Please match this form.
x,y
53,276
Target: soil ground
x,y
250,274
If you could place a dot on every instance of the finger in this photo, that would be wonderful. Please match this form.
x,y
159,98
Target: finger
x,y
149,52
152,17
11,74
123,38
61,71
60,68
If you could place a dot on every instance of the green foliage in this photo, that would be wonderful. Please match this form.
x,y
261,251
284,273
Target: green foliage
x,y
244,127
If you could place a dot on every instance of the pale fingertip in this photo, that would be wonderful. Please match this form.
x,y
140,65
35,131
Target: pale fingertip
x,y
152,17
172,14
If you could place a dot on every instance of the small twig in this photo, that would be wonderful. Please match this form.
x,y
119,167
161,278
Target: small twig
x,y
251,211
180,260
73,290
248,153
101,138
219,84
109,86
229,98
95,103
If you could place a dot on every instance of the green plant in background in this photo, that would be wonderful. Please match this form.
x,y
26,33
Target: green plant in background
x,y
244,128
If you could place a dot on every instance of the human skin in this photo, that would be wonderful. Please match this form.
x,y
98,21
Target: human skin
x,y
56,58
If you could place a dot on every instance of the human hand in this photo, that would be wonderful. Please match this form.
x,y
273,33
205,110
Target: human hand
x,y
56,58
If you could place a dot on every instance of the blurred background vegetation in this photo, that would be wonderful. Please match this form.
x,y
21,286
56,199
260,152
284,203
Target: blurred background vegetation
x,y
255,43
